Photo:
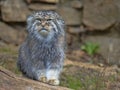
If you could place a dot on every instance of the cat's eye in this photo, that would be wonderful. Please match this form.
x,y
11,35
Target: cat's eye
x,y
49,19
39,19
38,24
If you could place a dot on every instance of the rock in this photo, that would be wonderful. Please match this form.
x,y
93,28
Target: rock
x,y
100,14
2,43
49,1
1,2
76,4
70,15
39,6
109,47
45,1
76,30
28,1
9,35
117,2
14,10
9,81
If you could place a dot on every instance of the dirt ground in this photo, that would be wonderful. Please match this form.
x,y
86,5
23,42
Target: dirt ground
x,y
81,71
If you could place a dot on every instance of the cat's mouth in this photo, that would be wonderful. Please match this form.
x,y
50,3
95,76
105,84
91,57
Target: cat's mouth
x,y
44,32
42,29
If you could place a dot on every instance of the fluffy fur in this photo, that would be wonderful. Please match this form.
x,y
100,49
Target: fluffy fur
x,y
41,56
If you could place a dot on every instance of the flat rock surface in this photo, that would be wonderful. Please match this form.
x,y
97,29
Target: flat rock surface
x,y
14,10
45,1
9,81
39,6
70,15
7,34
100,14
78,4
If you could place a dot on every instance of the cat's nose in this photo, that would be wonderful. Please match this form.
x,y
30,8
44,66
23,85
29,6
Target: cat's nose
x,y
43,24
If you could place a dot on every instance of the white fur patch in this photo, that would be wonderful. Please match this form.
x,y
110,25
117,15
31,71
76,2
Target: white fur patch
x,y
52,74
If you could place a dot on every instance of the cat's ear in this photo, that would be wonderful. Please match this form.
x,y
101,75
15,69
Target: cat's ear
x,y
29,22
59,19
61,22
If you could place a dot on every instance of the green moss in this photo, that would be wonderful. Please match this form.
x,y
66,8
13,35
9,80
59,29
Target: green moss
x,y
10,65
82,79
16,71
72,83
8,50
113,78
8,58
94,83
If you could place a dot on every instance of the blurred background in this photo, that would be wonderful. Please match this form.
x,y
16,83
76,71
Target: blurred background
x,y
93,39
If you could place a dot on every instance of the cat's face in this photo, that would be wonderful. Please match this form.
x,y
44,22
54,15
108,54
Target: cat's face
x,y
44,26
45,23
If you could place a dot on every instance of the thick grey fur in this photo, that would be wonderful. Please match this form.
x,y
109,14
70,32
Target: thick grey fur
x,y
38,55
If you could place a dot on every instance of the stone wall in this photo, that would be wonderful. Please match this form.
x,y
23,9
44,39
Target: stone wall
x,y
79,15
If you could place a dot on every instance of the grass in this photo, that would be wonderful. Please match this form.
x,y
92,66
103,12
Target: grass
x,y
78,78
71,82
9,50
90,48
88,83
8,58
10,64
85,79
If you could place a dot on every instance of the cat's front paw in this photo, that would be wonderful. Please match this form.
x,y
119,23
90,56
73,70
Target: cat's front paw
x,y
43,79
53,82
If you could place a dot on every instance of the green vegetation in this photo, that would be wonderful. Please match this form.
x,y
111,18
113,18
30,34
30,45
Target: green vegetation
x,y
84,82
71,82
10,64
90,48
78,78
8,50
8,57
